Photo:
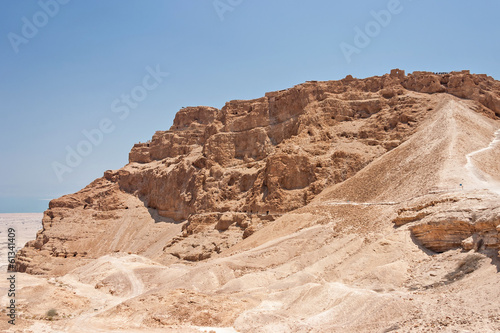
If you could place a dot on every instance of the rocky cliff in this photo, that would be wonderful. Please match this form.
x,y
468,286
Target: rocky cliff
x,y
218,176
345,206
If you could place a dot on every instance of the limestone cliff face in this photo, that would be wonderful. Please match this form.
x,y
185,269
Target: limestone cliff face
x,y
480,88
217,176
275,153
452,222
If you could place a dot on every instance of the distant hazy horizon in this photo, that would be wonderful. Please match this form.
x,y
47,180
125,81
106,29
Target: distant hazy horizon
x,y
23,205
25,225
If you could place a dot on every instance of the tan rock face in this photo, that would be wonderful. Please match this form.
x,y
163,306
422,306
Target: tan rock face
x,y
346,206
218,176
480,88
453,222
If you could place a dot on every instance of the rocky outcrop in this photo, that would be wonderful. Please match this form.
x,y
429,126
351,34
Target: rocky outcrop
x,y
453,222
480,88
217,176
452,233
271,154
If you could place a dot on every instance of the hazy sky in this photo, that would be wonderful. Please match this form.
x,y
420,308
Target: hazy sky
x,y
81,81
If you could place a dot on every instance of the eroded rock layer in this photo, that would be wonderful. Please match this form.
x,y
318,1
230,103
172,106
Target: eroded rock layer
x,y
218,176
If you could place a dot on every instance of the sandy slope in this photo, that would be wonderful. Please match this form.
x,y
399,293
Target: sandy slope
x,y
433,158
485,179
335,265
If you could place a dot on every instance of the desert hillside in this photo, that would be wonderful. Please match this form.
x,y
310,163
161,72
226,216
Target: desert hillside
x,y
359,205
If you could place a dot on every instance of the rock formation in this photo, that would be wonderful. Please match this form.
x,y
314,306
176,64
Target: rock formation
x,y
366,205
217,176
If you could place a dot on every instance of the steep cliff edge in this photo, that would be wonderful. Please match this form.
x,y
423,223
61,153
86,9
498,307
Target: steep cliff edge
x,y
218,176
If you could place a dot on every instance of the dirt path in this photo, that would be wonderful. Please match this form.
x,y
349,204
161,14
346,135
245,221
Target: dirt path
x,y
479,176
137,287
352,203
99,305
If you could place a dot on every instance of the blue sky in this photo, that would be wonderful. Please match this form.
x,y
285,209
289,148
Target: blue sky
x,y
80,57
